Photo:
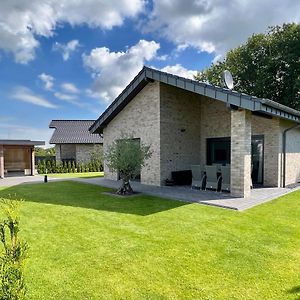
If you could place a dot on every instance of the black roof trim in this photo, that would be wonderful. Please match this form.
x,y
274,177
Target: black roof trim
x,y
22,143
241,100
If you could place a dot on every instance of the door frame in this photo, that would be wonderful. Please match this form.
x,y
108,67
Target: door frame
x,y
262,138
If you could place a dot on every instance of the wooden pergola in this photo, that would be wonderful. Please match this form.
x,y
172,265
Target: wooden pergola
x,y
17,156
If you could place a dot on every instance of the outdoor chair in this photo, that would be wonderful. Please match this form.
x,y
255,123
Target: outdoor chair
x,y
218,166
212,181
225,185
198,176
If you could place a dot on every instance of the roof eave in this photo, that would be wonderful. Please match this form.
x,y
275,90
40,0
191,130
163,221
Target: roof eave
x,y
227,96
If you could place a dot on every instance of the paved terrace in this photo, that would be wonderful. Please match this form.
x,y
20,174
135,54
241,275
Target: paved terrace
x,y
224,200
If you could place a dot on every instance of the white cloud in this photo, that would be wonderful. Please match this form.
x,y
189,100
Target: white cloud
x,y
26,95
217,26
70,88
114,70
22,21
73,99
23,132
66,49
179,70
47,81
65,97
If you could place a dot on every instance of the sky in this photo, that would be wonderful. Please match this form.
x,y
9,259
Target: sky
x,y
69,59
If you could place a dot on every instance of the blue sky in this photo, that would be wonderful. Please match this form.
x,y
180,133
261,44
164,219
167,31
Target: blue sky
x,y
67,59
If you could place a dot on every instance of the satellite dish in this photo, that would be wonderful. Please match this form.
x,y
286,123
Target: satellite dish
x,y
227,80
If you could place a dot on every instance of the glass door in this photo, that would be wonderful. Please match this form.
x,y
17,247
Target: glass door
x,y
257,159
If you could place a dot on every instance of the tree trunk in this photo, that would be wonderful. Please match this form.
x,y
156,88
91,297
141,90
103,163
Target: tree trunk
x,y
125,188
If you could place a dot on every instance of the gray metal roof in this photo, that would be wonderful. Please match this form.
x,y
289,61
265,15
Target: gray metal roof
x,y
258,105
73,132
22,142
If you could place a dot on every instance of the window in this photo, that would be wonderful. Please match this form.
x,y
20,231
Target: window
x,y
218,151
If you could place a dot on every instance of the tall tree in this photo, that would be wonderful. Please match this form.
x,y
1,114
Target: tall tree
x,y
266,66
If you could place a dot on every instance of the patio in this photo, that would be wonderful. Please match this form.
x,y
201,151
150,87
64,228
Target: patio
x,y
224,200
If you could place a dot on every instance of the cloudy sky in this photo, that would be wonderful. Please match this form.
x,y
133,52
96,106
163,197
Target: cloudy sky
x,y
68,59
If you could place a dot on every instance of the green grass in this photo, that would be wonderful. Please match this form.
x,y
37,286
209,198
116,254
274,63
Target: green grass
x,y
87,245
77,175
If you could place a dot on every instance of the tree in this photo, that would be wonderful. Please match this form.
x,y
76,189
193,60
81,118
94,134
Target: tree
x,y
127,156
39,151
267,65
14,253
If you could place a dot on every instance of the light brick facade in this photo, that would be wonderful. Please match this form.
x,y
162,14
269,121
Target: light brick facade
x,y
292,152
177,124
240,168
81,153
139,119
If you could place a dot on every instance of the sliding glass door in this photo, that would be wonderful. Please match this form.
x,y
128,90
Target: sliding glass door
x,y
257,159
218,152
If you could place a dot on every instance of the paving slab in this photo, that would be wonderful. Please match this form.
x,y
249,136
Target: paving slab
x,y
224,200
16,180
186,194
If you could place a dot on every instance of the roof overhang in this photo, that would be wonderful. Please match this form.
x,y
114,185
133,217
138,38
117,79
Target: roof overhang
x,y
146,75
22,143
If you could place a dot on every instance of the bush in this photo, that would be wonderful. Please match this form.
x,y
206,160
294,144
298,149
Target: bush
x,y
13,256
50,166
73,167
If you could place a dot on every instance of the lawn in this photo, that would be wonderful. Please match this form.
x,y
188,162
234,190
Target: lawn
x,y
87,245
77,175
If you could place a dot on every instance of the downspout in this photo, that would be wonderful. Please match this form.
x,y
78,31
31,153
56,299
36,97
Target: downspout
x,y
284,151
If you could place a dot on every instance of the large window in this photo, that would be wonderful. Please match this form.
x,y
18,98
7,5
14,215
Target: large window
x,y
218,151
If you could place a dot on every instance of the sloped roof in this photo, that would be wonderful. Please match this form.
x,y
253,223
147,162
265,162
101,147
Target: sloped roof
x,y
146,75
73,132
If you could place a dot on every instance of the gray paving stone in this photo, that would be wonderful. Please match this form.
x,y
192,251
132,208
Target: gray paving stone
x,y
224,200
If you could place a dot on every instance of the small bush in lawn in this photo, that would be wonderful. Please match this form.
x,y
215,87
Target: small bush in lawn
x,y
13,255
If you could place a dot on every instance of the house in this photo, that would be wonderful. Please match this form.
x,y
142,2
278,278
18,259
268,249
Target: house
x,y
17,156
73,141
192,123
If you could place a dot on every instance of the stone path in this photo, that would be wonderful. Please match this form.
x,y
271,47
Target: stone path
x,y
15,180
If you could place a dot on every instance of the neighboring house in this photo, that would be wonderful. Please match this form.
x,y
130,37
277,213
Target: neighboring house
x,y
191,123
73,141
17,156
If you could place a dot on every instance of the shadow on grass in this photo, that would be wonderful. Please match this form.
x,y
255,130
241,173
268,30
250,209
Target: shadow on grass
x,y
69,193
295,290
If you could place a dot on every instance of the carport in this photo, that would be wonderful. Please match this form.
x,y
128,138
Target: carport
x,y
17,156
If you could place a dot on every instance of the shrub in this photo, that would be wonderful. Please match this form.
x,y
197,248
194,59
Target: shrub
x,y
73,167
13,256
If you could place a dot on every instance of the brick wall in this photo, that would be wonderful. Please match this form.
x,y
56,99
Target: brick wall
x,y
215,122
177,124
65,151
180,123
84,151
240,164
269,128
292,170
139,119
